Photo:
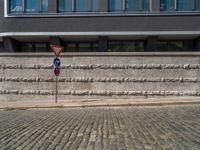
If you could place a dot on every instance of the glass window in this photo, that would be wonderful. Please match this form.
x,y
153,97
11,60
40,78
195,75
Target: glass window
x,y
179,5
197,5
27,47
95,5
146,4
129,5
15,6
44,5
115,5
78,5
82,5
133,5
170,46
125,46
31,5
95,47
65,5
28,5
162,46
176,46
115,46
184,5
1,47
84,47
34,47
41,47
71,47
133,46
167,5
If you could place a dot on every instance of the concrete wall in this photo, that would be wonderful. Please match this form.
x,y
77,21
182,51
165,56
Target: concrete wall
x,y
31,77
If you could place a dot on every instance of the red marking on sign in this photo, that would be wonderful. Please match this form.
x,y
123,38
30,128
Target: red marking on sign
x,y
57,49
57,71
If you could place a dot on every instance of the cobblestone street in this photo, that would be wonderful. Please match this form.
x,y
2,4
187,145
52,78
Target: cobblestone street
x,y
110,128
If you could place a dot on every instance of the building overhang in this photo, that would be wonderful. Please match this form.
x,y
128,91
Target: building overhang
x,y
116,35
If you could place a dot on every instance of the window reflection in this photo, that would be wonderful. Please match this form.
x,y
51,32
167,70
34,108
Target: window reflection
x,y
82,5
32,5
95,5
78,5
167,5
28,6
44,5
146,4
180,5
115,5
65,5
125,46
197,5
171,46
81,47
184,5
133,5
15,5
35,47
129,5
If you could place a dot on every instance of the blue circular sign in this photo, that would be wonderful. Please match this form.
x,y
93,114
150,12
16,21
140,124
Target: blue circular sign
x,y
57,62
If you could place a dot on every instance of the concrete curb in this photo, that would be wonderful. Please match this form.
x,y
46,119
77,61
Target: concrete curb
x,y
99,105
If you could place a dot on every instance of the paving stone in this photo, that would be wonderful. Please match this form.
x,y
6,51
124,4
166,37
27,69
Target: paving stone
x,y
113,128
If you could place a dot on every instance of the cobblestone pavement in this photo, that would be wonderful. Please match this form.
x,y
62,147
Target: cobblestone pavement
x,y
111,128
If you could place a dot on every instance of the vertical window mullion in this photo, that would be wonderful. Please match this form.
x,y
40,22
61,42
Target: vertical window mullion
x,y
150,5
23,5
175,4
141,5
9,7
193,4
90,2
124,5
40,5
73,5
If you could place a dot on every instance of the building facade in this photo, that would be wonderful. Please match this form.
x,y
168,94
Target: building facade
x,y
100,25
112,48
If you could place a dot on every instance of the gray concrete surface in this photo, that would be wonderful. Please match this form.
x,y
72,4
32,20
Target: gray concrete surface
x,y
99,102
30,77
116,128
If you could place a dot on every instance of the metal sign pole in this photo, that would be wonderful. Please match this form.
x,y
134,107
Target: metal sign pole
x,y
56,89
57,49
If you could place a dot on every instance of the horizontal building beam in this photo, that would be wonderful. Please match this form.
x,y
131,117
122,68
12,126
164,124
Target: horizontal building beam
x,y
111,33
116,54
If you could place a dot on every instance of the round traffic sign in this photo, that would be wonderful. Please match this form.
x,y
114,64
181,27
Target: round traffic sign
x,y
57,71
57,62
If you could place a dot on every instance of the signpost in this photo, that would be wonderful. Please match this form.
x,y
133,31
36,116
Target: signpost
x,y
57,49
